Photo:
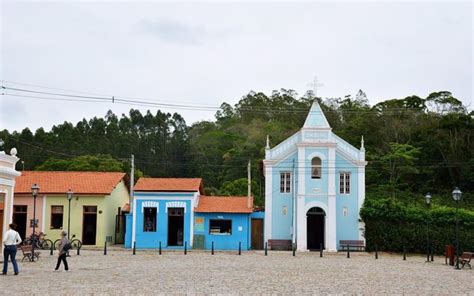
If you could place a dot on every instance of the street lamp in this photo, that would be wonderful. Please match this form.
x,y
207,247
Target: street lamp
x,y
69,194
427,201
34,190
457,198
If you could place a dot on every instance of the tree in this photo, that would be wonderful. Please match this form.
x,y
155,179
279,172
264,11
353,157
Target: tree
x,y
399,162
100,163
239,187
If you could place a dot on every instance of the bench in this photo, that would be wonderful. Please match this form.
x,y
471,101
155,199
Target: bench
x,y
466,259
357,245
26,250
279,244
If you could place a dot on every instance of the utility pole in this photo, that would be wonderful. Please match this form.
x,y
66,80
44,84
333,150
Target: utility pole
x,y
249,184
132,182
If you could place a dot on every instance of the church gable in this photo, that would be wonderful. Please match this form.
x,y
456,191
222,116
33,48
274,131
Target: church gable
x,y
316,132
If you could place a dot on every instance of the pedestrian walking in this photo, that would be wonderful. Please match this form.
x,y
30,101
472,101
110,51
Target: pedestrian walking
x,y
64,247
11,239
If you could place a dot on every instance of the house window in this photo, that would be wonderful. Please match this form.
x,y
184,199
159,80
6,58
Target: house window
x,y
345,183
285,182
57,217
176,212
20,209
220,227
316,168
90,209
149,218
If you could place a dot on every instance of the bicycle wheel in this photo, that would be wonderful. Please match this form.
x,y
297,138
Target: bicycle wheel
x,y
76,244
57,243
47,244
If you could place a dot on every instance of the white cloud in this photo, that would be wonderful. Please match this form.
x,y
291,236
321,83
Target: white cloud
x,y
174,32
207,53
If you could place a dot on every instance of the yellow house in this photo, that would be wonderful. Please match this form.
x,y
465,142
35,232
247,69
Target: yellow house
x,y
96,207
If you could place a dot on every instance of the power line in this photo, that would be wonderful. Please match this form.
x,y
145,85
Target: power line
x,y
307,170
55,94
116,100
53,99
54,88
151,103
70,90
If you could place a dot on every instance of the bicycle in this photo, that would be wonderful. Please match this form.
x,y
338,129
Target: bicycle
x,y
39,241
75,243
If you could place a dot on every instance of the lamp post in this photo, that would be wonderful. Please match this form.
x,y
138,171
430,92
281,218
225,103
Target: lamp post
x,y
34,191
427,201
457,198
69,194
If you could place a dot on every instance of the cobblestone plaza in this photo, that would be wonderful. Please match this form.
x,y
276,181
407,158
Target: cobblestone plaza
x,y
120,272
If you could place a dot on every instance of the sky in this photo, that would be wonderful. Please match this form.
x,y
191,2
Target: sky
x,y
207,53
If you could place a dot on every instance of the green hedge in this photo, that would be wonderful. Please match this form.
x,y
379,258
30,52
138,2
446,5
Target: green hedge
x,y
392,224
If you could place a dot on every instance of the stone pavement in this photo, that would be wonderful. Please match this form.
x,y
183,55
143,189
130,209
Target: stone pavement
x,y
227,273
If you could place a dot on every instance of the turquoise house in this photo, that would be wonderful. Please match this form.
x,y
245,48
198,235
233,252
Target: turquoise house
x,y
223,221
314,187
173,213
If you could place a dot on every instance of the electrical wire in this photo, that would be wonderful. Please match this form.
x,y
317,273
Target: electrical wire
x,y
307,169
200,107
53,99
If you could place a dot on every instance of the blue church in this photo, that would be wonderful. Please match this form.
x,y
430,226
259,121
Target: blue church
x,y
314,187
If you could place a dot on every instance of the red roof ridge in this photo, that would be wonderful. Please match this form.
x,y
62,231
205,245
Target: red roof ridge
x,y
58,182
169,184
224,204
229,196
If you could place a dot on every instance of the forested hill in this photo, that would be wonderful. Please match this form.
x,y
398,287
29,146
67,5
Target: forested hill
x,y
413,144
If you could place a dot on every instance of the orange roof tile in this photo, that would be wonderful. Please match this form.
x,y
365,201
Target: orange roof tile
x,y
50,182
224,204
169,184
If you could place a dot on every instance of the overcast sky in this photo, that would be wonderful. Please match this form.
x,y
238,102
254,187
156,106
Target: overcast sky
x,y
208,53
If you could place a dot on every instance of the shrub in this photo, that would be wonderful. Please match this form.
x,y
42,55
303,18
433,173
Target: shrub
x,y
392,224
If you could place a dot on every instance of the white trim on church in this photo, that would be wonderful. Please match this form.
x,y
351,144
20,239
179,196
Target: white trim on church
x,y
341,220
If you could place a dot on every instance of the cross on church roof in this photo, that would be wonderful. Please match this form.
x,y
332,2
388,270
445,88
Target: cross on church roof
x,y
315,85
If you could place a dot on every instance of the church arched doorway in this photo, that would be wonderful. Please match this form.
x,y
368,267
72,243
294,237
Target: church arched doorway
x,y
315,219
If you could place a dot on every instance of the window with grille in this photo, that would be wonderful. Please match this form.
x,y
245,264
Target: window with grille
x,y
149,218
285,182
57,217
345,183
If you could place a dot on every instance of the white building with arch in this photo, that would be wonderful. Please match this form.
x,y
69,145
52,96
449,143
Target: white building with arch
x,y
314,187
8,175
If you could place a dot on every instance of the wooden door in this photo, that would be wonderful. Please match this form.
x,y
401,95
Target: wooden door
x,y
20,217
257,234
89,225
175,226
